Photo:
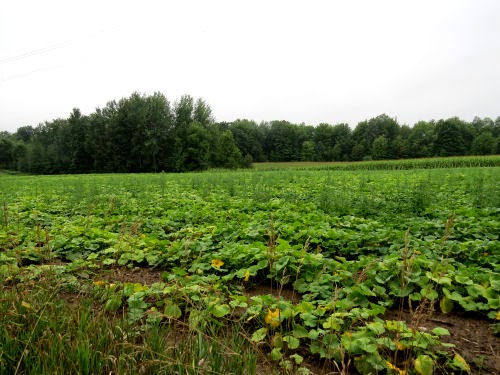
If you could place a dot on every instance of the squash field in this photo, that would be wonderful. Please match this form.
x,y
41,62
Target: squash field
x,y
268,270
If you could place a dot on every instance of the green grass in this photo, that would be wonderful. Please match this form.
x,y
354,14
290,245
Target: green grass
x,y
209,257
44,333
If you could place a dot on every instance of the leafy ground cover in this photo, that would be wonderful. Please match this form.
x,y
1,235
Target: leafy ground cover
x,y
257,271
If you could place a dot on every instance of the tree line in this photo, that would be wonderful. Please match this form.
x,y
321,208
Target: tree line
x,y
148,134
136,134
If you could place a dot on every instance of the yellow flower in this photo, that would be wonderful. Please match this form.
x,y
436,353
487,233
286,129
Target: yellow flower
x,y
400,346
247,276
461,362
99,283
217,263
395,368
273,317
498,316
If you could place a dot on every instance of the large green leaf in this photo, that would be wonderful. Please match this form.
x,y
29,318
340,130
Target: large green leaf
x,y
293,342
424,365
446,305
259,335
172,310
220,310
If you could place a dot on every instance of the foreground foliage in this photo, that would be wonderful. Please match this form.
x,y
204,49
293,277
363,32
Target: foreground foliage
x,y
301,265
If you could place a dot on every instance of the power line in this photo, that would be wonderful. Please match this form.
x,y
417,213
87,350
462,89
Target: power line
x,y
21,75
34,52
55,46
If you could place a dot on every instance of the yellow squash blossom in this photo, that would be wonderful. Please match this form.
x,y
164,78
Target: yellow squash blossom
x,y
217,263
99,283
396,369
247,276
273,317
401,346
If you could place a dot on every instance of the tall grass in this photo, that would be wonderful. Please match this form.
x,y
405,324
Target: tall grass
x,y
48,330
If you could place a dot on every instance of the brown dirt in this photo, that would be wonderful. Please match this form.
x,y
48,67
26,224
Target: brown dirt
x,y
260,290
471,335
145,276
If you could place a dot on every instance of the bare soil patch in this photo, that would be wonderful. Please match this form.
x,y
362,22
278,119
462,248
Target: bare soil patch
x,y
260,290
145,276
471,334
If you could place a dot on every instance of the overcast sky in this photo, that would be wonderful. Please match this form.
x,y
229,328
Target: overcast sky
x,y
301,61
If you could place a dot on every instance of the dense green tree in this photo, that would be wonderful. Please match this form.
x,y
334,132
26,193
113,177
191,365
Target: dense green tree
x,y
421,139
482,124
342,136
496,127
324,139
358,151
183,112
81,160
401,145
35,160
99,138
132,123
228,152
196,155
366,132
450,137
202,113
183,118
308,152
24,133
249,138
484,144
157,148
6,151
281,142
380,148
144,133
116,140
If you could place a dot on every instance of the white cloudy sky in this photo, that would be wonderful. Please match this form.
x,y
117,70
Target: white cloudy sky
x,y
303,61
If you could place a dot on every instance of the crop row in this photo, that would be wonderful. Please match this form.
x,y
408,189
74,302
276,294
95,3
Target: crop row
x,y
348,246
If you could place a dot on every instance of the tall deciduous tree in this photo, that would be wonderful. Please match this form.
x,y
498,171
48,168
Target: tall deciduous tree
x,y
380,148
366,132
6,151
324,139
484,144
229,154
249,138
421,139
450,137
159,127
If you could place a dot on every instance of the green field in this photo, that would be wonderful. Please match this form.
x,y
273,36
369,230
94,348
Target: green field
x,y
287,270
